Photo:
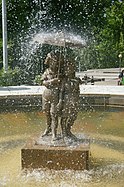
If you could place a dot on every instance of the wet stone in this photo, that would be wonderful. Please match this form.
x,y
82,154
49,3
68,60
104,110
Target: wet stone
x,y
64,153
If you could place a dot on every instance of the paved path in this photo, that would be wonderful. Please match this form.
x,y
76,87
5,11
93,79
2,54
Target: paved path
x,y
109,86
84,90
110,75
21,90
102,90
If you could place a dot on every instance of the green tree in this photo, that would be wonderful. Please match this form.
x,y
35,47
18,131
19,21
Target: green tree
x,y
92,20
110,40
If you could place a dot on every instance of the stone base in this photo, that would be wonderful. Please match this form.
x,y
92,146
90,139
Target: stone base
x,y
53,156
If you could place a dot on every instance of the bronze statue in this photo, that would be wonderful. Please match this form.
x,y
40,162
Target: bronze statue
x,y
51,81
61,95
69,99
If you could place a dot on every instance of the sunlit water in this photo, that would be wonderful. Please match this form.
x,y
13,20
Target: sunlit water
x,y
106,131
59,39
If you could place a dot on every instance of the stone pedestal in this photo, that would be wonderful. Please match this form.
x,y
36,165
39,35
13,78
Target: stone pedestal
x,y
55,156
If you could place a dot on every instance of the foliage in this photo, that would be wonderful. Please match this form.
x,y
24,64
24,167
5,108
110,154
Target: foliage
x,y
10,78
37,80
110,40
100,22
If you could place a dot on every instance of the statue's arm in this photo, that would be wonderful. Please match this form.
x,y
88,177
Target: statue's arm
x,y
51,82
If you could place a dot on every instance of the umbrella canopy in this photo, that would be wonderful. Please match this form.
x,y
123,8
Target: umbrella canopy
x,y
60,39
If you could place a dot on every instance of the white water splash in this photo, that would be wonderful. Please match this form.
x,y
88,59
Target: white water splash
x,y
59,39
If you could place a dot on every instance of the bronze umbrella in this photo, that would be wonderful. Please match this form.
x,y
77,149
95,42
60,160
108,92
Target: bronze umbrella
x,y
60,39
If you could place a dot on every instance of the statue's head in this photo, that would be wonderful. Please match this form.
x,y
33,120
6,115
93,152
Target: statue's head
x,y
51,61
54,60
48,58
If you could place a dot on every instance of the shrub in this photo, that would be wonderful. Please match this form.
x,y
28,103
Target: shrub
x,y
10,78
37,80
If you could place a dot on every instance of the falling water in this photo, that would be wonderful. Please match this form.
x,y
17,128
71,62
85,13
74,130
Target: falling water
x,y
32,50
59,39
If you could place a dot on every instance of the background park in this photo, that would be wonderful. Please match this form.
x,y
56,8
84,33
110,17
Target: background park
x,y
99,23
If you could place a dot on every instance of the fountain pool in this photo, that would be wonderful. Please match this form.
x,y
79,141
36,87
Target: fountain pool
x,y
105,129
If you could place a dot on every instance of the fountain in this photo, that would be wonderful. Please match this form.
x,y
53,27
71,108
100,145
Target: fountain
x,y
60,99
104,127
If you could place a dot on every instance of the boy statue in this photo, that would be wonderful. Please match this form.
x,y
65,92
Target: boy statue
x,y
50,96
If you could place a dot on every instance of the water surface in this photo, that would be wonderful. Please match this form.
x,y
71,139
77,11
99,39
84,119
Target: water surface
x,y
105,129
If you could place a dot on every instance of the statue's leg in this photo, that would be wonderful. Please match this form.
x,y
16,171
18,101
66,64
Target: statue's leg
x,y
54,126
74,108
48,123
63,126
70,123
54,123
46,110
